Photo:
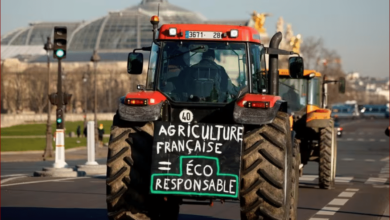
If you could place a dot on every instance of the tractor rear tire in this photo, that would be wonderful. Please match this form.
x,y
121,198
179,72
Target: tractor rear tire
x,y
295,181
328,156
266,171
128,175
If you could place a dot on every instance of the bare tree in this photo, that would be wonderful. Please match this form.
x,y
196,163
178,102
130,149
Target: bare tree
x,y
37,83
311,50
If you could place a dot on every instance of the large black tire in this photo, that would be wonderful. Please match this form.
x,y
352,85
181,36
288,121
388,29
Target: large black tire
x,y
266,171
295,181
328,157
128,175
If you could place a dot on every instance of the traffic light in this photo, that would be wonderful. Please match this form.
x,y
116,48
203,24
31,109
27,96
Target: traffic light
x,y
59,49
60,119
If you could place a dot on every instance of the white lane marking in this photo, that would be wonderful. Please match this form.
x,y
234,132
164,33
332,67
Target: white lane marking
x,y
44,181
343,179
348,159
372,139
349,139
12,175
11,178
346,194
328,211
339,202
382,140
385,170
374,180
308,177
385,159
360,139
352,190
369,160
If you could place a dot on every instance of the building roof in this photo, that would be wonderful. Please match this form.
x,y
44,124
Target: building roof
x,y
120,30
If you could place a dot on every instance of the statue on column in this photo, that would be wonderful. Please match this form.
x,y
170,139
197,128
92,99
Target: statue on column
x,y
259,20
289,33
280,25
296,43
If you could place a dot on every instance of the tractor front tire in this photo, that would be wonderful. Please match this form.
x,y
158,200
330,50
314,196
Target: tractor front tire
x,y
266,171
295,181
328,157
128,175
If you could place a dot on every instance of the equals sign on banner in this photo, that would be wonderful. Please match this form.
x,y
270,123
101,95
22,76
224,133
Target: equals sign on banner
x,y
164,165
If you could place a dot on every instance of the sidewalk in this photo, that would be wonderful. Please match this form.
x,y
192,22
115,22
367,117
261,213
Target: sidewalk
x,y
79,153
36,136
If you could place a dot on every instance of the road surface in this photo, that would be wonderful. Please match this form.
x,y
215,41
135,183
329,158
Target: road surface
x,y
362,186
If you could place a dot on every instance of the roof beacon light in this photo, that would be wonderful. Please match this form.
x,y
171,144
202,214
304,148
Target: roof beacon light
x,y
233,33
154,18
172,32
312,75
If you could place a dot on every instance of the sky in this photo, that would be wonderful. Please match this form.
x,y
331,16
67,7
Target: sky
x,y
357,29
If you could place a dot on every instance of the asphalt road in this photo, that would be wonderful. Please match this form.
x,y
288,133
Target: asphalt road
x,y
361,192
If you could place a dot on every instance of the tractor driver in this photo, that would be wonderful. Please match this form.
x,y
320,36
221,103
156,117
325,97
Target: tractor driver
x,y
292,98
206,68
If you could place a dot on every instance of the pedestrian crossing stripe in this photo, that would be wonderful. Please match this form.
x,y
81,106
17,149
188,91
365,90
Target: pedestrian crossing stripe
x,y
345,179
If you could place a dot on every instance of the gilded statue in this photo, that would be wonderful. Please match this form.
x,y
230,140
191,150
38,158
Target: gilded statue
x,y
296,43
259,20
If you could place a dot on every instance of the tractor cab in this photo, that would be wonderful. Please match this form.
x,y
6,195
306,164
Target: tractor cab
x,y
302,93
208,66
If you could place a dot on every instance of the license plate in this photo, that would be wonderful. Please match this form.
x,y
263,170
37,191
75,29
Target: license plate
x,y
204,34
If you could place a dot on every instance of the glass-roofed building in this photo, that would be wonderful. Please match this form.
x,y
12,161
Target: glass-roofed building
x,y
117,32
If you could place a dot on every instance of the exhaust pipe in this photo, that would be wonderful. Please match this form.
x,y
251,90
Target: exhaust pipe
x,y
273,65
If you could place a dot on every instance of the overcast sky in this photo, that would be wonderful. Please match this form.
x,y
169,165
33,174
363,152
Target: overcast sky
x,y
357,29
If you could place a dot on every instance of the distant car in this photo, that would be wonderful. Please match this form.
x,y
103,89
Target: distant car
x,y
339,129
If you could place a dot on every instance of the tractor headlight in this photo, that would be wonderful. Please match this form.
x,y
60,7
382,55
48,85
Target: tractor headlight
x,y
233,33
172,32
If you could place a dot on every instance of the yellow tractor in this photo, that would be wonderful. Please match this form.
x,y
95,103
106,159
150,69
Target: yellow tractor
x,y
312,122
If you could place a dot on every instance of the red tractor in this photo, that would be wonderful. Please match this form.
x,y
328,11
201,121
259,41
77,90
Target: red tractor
x,y
208,125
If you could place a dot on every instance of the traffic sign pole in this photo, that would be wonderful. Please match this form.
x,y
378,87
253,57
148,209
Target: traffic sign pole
x,y
60,133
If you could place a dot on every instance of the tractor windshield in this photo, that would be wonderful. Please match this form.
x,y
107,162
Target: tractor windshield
x,y
294,91
201,71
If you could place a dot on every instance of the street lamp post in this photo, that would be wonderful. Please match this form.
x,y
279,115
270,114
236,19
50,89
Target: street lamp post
x,y
49,144
85,79
95,59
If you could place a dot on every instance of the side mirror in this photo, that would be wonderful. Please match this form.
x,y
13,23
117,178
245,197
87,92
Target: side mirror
x,y
342,85
295,67
135,63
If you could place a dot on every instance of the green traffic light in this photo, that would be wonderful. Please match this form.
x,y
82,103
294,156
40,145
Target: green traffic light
x,y
59,120
60,53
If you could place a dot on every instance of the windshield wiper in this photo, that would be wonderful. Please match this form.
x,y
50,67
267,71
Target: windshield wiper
x,y
289,86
